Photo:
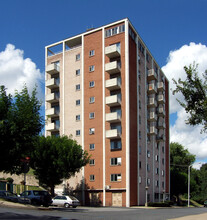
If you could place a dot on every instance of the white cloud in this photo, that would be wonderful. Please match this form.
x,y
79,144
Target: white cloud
x,y
188,136
15,70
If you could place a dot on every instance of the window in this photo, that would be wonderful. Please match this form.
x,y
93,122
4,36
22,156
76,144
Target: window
x,y
77,57
92,99
78,102
163,173
156,183
157,170
140,179
92,146
115,161
140,164
148,181
163,149
92,177
92,162
163,161
91,130
91,115
139,119
148,153
156,157
77,132
147,57
139,134
77,87
148,167
91,53
115,145
140,105
140,150
115,177
91,68
91,84
77,72
77,117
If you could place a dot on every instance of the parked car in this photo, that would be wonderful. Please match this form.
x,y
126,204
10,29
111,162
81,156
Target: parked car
x,y
65,201
8,196
36,197
205,203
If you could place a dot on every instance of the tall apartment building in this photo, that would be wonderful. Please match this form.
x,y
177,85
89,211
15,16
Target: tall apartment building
x,y
105,89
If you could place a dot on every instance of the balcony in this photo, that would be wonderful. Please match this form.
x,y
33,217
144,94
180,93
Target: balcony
x,y
113,84
113,67
160,137
160,86
53,112
113,117
153,130
161,110
54,126
52,68
152,88
152,75
161,99
161,124
113,134
112,51
152,103
113,100
152,116
52,83
52,97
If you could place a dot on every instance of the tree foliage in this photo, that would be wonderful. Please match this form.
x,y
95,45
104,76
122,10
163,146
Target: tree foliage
x,y
194,91
20,123
56,158
180,160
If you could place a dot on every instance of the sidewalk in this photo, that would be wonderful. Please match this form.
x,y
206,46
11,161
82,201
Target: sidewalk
x,y
192,217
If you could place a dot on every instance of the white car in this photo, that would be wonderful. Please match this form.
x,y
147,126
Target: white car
x,y
65,201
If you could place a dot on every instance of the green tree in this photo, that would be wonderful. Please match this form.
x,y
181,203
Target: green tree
x,y
20,124
194,91
180,159
56,158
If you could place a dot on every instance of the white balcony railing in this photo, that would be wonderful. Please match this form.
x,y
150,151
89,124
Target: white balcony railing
x,y
52,68
112,51
113,100
52,97
113,134
113,117
113,67
52,83
113,84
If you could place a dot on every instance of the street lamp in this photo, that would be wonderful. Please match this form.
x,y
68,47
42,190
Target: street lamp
x,y
189,185
146,187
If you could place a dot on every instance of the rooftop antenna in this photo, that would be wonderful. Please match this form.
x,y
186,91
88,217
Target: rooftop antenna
x,y
90,28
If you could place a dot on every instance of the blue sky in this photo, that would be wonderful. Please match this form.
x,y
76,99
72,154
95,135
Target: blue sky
x,y
164,25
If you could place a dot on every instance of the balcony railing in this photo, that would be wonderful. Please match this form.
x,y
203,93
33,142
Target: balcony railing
x,y
153,130
161,110
160,86
52,83
54,126
113,100
113,134
113,67
152,116
160,137
113,51
53,112
52,97
152,75
113,84
161,124
113,117
152,88
161,99
152,102
52,68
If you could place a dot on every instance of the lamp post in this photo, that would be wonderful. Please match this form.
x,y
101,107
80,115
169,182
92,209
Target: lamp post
x,y
146,188
163,196
189,185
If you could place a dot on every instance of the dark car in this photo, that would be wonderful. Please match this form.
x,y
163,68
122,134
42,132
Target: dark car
x,y
205,203
36,197
8,196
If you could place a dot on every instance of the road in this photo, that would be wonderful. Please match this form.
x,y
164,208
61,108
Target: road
x,y
110,213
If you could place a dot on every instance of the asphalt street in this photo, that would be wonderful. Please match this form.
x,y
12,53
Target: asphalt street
x,y
101,213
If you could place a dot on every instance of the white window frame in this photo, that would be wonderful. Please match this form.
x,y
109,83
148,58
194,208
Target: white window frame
x,y
77,117
91,53
115,177
91,115
77,132
77,57
92,99
77,72
92,162
91,131
90,146
91,68
77,101
92,177
115,161
77,87
91,84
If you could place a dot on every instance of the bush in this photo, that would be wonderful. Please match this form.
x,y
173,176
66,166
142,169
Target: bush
x,y
159,204
9,180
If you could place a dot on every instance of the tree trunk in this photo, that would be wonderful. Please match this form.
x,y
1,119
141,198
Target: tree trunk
x,y
52,190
